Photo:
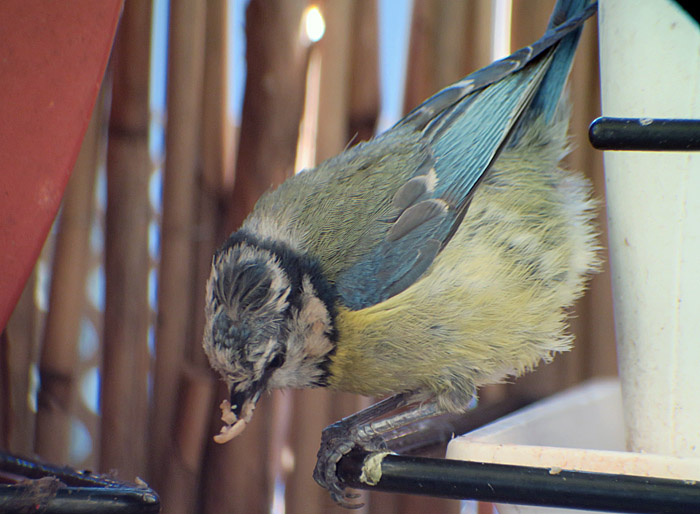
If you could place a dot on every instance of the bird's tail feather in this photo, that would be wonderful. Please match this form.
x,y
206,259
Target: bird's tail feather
x,y
572,12
547,97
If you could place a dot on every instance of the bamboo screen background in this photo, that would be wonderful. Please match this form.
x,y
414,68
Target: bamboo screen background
x,y
105,369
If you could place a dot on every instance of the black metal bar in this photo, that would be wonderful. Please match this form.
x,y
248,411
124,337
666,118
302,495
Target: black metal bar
x,y
79,500
34,470
525,485
645,134
66,491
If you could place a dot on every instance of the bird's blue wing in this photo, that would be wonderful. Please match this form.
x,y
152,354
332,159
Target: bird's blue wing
x,y
463,128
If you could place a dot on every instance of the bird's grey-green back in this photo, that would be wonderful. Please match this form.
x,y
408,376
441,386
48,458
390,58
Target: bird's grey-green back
x,y
376,216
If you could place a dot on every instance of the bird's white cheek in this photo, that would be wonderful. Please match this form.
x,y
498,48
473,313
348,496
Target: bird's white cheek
x,y
280,379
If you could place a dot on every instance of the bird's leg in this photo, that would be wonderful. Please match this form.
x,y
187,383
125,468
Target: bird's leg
x,y
366,429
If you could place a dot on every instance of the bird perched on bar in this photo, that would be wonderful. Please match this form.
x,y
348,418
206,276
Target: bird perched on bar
x,y
438,257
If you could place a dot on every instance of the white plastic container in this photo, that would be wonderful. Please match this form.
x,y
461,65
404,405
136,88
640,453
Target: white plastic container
x,y
650,67
580,429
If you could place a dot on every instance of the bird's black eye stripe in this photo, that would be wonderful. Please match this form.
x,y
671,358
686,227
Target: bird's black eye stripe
x,y
276,362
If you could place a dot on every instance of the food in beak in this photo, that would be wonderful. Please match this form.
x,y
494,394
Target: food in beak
x,y
233,425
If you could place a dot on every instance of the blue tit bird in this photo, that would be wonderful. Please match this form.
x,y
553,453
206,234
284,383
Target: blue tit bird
x,y
438,257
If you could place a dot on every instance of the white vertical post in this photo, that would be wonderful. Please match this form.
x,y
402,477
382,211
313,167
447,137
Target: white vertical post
x,y
650,67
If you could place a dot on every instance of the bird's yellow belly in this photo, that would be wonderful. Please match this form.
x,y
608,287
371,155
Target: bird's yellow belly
x,y
491,304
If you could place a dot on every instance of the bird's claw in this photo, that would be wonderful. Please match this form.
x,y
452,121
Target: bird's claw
x,y
336,441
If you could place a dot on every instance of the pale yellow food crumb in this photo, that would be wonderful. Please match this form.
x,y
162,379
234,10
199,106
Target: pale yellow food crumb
x,y
233,426
228,432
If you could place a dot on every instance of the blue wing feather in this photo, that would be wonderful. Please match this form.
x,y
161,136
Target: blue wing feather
x,y
464,127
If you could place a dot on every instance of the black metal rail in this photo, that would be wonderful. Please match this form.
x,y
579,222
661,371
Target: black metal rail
x,y
647,134
525,485
30,486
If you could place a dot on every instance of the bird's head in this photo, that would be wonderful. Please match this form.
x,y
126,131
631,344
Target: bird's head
x,y
266,326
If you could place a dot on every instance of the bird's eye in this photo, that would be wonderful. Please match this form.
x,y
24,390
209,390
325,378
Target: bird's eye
x,y
276,362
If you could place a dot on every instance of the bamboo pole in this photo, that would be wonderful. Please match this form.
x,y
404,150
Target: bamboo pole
x,y
184,93
235,478
22,332
280,460
215,143
184,469
124,395
179,493
237,475
88,412
274,96
529,21
57,367
334,98
216,152
216,169
310,414
448,41
197,386
364,71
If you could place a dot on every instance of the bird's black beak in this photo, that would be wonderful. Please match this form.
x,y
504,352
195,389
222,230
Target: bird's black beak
x,y
243,403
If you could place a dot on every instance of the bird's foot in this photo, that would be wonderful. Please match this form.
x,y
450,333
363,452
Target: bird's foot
x,y
336,441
